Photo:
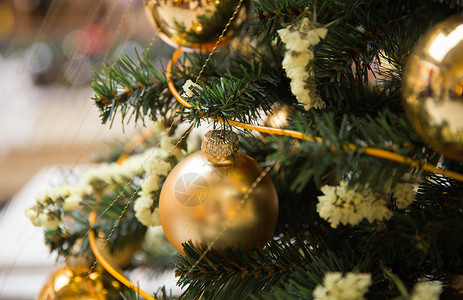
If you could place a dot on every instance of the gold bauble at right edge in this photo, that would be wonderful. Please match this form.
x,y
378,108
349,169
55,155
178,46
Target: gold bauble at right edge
x,y
433,87
195,24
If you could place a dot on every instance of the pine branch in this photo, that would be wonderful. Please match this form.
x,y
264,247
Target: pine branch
x,y
425,238
234,98
131,88
130,295
298,162
272,13
128,230
452,3
236,274
70,241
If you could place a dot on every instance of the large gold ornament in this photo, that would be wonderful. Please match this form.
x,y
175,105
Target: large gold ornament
x,y
206,198
433,87
195,24
69,283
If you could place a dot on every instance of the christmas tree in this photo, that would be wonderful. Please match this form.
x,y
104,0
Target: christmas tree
x,y
365,161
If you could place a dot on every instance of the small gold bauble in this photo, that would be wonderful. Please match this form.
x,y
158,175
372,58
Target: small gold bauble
x,y
69,283
195,24
433,87
204,199
120,257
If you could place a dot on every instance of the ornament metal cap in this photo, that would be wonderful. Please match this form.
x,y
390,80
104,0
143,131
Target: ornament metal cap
x,y
219,145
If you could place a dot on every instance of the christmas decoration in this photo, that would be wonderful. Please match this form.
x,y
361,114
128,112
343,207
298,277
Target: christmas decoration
x,y
195,24
344,205
122,256
426,290
157,166
371,233
351,286
433,87
298,61
218,197
80,282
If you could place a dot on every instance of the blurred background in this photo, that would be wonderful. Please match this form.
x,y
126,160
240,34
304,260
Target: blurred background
x,y
47,117
47,48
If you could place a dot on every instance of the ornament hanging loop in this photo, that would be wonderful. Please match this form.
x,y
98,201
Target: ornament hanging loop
x,y
218,146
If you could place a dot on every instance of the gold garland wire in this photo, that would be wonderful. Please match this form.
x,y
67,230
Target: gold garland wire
x,y
374,152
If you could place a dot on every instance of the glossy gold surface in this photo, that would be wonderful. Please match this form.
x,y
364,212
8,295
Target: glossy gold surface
x,y
120,257
195,24
433,88
203,202
278,118
77,283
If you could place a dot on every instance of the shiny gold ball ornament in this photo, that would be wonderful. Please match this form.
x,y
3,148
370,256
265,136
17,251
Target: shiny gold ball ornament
x,y
219,198
433,87
69,283
121,256
195,24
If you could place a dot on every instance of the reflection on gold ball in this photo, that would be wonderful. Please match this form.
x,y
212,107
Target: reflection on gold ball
x,y
205,202
433,87
69,283
278,117
195,24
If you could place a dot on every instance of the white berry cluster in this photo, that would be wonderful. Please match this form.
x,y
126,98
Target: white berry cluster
x,y
426,290
298,60
97,180
351,286
188,88
157,165
348,205
49,206
345,205
46,211
404,194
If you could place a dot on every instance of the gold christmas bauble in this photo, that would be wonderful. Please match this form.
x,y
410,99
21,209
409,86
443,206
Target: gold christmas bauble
x,y
120,257
433,87
69,283
206,198
195,24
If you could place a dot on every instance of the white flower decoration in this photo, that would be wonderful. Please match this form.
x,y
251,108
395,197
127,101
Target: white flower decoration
x,y
297,60
49,220
33,215
144,212
344,205
404,193
426,290
188,88
72,202
335,286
